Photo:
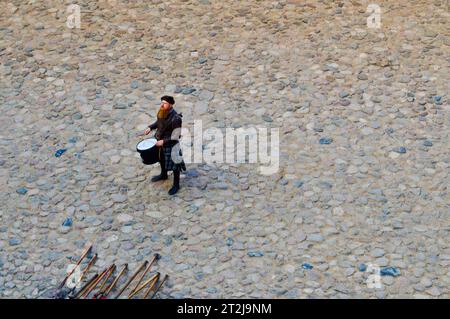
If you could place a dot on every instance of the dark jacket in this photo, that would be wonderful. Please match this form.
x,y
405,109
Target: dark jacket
x,y
165,127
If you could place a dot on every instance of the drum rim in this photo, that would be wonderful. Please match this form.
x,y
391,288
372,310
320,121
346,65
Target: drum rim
x,y
151,138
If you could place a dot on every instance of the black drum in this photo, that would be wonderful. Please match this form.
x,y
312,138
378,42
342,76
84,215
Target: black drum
x,y
148,150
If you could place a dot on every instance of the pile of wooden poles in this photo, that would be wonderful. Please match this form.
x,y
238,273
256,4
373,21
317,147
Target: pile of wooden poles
x,y
101,285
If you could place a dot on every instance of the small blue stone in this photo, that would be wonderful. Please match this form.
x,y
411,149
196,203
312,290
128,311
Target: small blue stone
x,y
68,222
428,143
192,173
389,130
202,60
298,183
390,271
307,266
362,267
22,191
14,241
73,140
199,276
318,129
255,254
60,152
343,94
168,241
325,140
211,290
178,89
229,241
193,208
376,191
267,118
437,98
400,150
134,84
188,90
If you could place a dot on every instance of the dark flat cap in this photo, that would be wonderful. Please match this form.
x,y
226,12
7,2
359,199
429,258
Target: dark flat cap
x,y
168,99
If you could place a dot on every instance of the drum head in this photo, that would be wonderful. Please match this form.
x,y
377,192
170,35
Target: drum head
x,y
146,144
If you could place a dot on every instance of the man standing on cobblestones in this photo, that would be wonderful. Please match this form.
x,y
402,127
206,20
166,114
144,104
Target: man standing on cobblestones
x,y
168,129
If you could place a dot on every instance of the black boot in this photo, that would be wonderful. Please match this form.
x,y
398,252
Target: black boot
x,y
176,183
161,176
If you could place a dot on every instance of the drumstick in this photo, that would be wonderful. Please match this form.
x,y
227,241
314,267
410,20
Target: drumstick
x,y
164,279
76,265
154,278
87,286
125,267
103,286
155,257
131,279
95,283
151,287
89,282
91,262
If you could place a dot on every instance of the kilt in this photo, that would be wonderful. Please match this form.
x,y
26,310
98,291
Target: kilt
x,y
167,162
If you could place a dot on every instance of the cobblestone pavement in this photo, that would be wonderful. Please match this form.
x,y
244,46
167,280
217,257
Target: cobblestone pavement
x,y
364,126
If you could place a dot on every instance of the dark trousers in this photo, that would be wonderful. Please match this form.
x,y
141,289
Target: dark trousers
x,y
176,172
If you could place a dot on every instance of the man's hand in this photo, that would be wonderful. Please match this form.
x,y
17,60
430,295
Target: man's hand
x,y
147,131
160,143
